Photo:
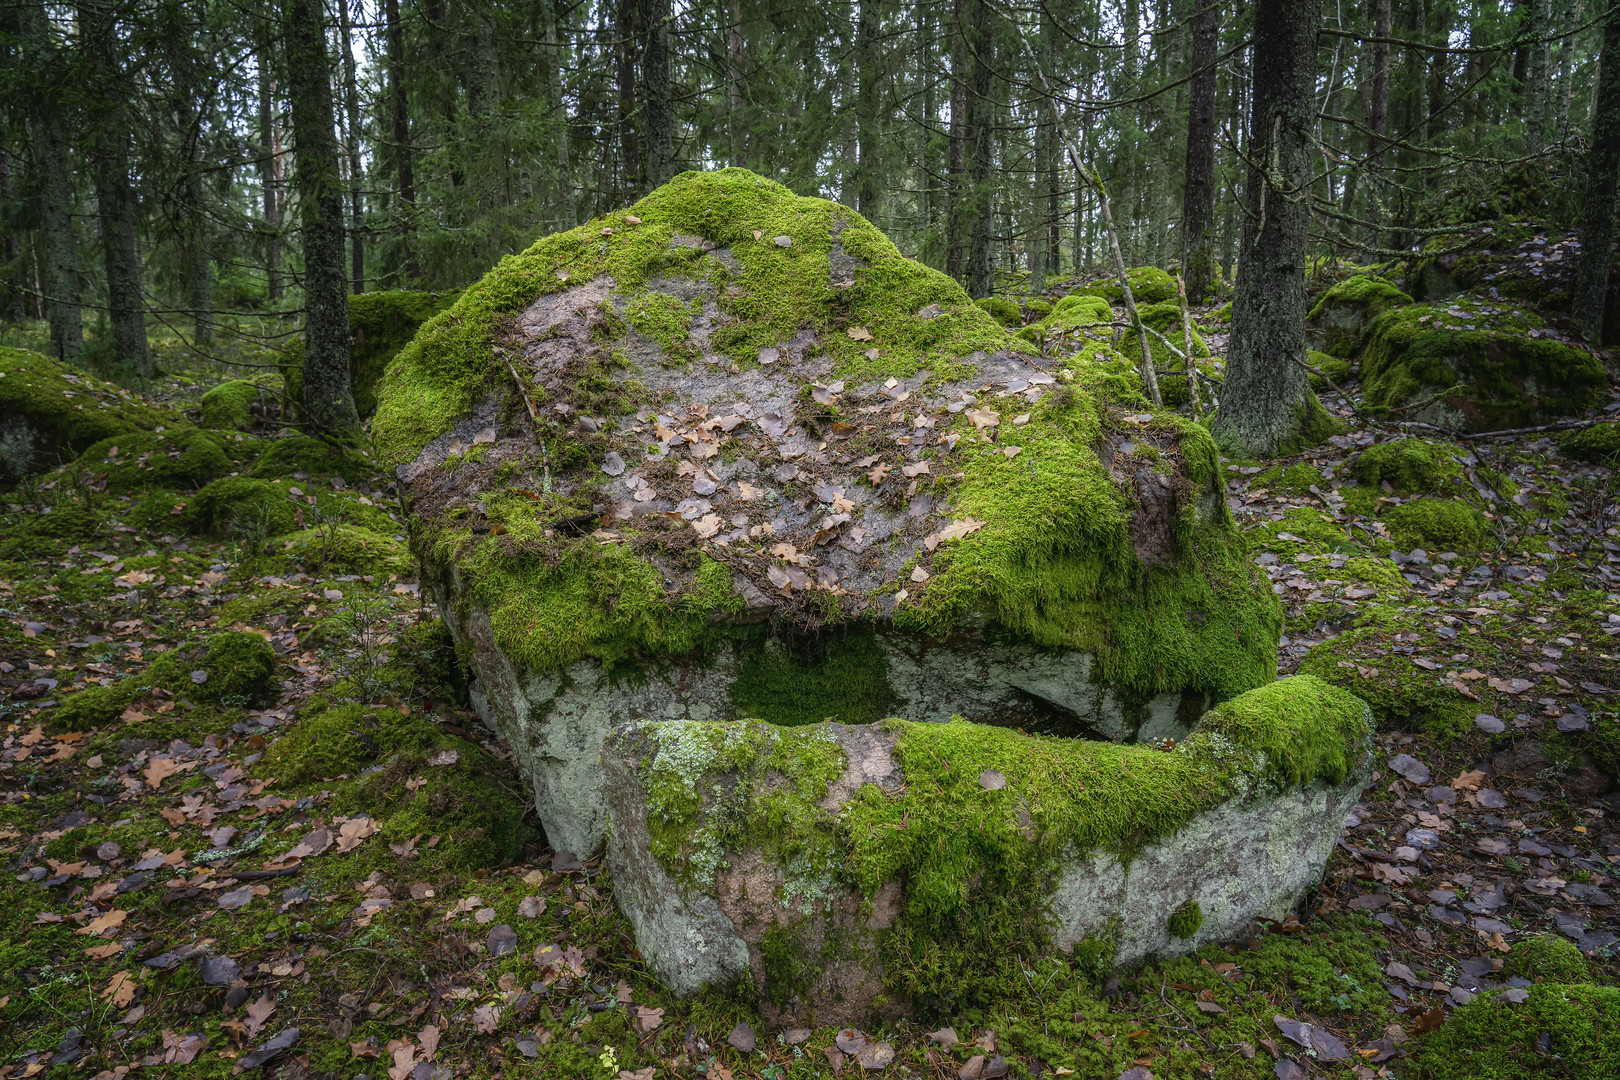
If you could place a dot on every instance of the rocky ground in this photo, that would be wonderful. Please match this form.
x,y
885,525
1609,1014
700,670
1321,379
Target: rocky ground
x,y
276,839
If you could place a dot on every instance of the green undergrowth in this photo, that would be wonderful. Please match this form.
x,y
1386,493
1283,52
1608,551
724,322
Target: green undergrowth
x,y
228,406
1548,958
1436,525
777,291
977,861
231,668
1149,285
1561,1030
1409,466
1598,444
65,410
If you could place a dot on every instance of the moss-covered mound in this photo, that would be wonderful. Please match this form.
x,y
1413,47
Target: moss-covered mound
x,y
1559,1030
1002,310
1436,525
1549,958
1165,317
732,403
1149,285
307,454
1408,466
1476,366
50,412
229,669
230,405
1346,310
1599,444
177,459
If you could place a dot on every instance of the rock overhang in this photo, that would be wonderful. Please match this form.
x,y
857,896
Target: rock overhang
x,y
731,413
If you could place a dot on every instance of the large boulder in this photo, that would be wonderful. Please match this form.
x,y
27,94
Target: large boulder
x,y
729,455
851,874
1340,318
1477,365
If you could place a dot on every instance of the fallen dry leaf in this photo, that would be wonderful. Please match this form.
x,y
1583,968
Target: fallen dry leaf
x,y
120,990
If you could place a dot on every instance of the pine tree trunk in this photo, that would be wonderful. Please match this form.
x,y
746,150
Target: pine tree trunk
x,y
1591,285
956,212
1267,407
626,34
1378,110
868,70
270,171
49,149
657,105
107,136
1198,195
11,293
351,104
979,272
1537,91
404,158
734,56
328,399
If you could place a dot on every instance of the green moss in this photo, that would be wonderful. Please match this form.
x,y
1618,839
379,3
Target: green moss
x,y
1401,696
1296,479
784,971
1599,444
240,666
1001,309
1186,919
1560,1030
227,406
1082,309
338,548
1348,307
1038,309
1149,285
661,317
1165,317
237,669
1331,969
1333,367
64,411
1483,363
1410,466
1549,958
777,292
381,324
304,453
324,744
238,504
838,676
1436,525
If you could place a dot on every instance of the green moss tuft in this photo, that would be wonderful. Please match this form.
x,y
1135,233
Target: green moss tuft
x,y
1149,285
1001,309
1549,958
53,412
839,676
1560,1030
304,453
237,669
1410,466
1599,444
227,406
1186,919
1436,525
172,460
241,505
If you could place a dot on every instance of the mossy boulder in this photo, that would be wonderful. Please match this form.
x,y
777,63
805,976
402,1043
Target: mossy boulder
x,y
231,406
346,549
1002,310
827,869
1549,958
1558,1030
815,435
1409,466
307,454
50,412
380,325
1149,285
240,505
1335,368
1165,317
229,669
1436,525
1476,366
172,460
1346,310
1599,444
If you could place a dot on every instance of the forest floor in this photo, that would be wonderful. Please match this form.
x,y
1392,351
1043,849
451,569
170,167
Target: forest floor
x,y
343,881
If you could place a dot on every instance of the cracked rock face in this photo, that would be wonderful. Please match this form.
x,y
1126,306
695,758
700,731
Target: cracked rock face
x,y
667,466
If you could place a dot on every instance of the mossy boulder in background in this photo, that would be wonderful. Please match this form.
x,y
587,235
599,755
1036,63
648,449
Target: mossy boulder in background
x,y
50,412
1165,317
1149,285
175,459
1477,366
1599,444
829,437
1002,310
1436,525
239,504
1339,319
307,454
1408,466
825,868
231,405
380,325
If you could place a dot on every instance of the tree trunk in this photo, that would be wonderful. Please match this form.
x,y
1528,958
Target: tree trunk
x,y
956,211
48,146
626,34
1591,285
404,161
328,399
270,170
1198,195
351,103
734,54
1537,91
868,68
1378,111
657,106
107,136
1267,407
11,292
979,272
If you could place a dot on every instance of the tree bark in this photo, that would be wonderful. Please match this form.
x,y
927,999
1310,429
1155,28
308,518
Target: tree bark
x,y
52,164
351,104
404,161
956,211
107,136
1267,407
657,104
11,295
979,272
734,56
625,35
1537,91
1198,194
868,66
1591,285
328,399
1378,110
270,169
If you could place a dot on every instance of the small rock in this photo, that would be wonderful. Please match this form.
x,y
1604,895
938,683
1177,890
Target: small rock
x,y
502,940
1414,771
220,971
742,1037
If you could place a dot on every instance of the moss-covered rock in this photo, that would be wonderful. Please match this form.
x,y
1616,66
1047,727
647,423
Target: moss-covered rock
x,y
307,454
1436,525
842,439
1002,310
1558,1030
229,406
1165,317
50,412
1335,368
1345,311
872,893
1409,466
1149,285
1599,444
229,669
341,548
240,505
380,325
1476,366
1547,958
173,460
